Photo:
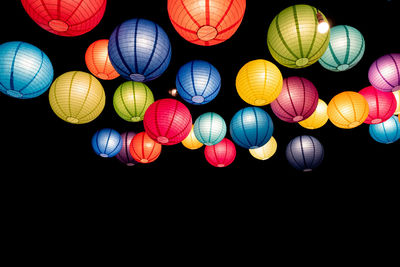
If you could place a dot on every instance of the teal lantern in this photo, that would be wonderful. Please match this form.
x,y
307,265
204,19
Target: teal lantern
x,y
209,128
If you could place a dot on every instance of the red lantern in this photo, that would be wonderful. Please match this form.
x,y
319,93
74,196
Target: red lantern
x,y
167,121
205,22
221,154
382,105
98,61
144,149
66,17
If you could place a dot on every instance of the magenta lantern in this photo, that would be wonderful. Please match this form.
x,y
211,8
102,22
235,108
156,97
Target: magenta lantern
x,y
384,73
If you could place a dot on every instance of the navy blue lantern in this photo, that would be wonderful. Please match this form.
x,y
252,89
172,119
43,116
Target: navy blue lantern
x,y
305,153
107,142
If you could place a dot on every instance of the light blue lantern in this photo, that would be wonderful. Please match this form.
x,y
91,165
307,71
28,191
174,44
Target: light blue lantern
x,y
386,132
209,128
107,142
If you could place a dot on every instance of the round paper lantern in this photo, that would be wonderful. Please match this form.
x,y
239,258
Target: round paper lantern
x,y
386,132
66,18
144,149
259,82
191,141
25,71
251,127
77,97
139,50
266,151
209,128
381,104
305,153
167,121
293,38
131,100
107,142
384,73
205,22
221,154
98,61
198,82
397,96
318,118
345,50
124,154
348,110
297,100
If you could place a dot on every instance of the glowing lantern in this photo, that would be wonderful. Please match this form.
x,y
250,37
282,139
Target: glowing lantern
x,y
124,154
144,149
294,39
386,132
77,97
198,82
318,118
345,50
131,100
305,153
397,96
205,22
107,142
25,71
348,110
167,121
297,100
384,73
251,127
209,128
221,154
66,18
266,151
381,104
98,61
139,50
259,82
191,141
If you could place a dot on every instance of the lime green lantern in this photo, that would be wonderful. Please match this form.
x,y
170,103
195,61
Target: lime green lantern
x,y
298,36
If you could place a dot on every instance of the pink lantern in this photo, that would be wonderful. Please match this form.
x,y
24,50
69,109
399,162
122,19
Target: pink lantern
x,y
384,73
382,105
221,154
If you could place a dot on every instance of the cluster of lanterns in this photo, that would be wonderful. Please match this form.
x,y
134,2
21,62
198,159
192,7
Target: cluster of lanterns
x,y
139,50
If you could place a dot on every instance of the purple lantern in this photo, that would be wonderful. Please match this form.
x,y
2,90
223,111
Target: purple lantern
x,y
124,155
384,73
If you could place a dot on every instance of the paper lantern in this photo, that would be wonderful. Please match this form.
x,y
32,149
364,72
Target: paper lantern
x,y
144,149
259,82
205,22
381,104
294,39
191,141
25,70
384,73
297,100
221,154
66,17
318,118
124,154
98,61
77,97
251,127
386,132
139,50
131,100
266,151
345,50
304,153
107,142
348,110
198,82
397,96
209,128
167,121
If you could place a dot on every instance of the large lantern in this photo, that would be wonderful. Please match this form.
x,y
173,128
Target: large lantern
x,y
209,128
386,132
319,117
107,142
124,155
98,61
304,153
382,105
384,73
266,151
221,154
144,149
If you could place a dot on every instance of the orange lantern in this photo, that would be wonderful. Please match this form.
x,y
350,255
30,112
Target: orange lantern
x,y
98,62
143,149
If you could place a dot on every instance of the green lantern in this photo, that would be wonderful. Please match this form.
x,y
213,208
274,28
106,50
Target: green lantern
x,y
295,36
131,100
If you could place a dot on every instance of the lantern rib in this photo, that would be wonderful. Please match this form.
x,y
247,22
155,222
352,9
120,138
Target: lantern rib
x,y
172,120
162,63
226,12
255,115
210,129
326,63
340,113
86,96
145,103
208,80
228,28
316,52
94,109
207,10
120,53
152,52
191,76
181,27
72,13
181,86
243,129
97,142
276,52
89,18
337,61
34,76
397,68
283,40
123,101
126,145
93,59
359,51
12,67
314,150
304,96
305,166
190,15
298,31
346,58
293,157
315,32
45,8
135,48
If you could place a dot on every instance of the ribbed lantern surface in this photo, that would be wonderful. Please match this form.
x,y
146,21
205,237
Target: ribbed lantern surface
x,y
98,61
107,142
191,141
209,128
144,149
384,73
305,153
319,117
386,132
221,154
382,105
124,155
266,151
397,96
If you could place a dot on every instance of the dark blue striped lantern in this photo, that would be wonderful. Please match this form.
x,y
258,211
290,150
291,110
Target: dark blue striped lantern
x,y
304,153
251,127
198,82
124,155
139,50
386,132
25,70
107,142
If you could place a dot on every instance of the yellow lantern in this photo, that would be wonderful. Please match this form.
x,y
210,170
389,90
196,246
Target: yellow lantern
x,y
191,141
318,118
397,95
266,151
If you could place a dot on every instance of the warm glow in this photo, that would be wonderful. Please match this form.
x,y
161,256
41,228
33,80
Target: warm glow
x,y
323,27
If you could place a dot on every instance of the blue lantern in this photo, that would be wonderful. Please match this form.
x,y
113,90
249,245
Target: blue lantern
x,y
107,142
386,132
139,50
209,128
25,70
304,153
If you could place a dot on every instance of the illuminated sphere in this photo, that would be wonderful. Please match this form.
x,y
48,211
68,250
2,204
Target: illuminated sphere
x,y
143,149
397,96
266,151
384,73
77,97
297,100
191,141
382,105
131,100
348,110
259,82
98,61
319,117
66,18
304,153
293,38
107,142
139,50
386,132
345,50
221,154
209,128
198,82
124,154
167,121
25,70
205,22
251,127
